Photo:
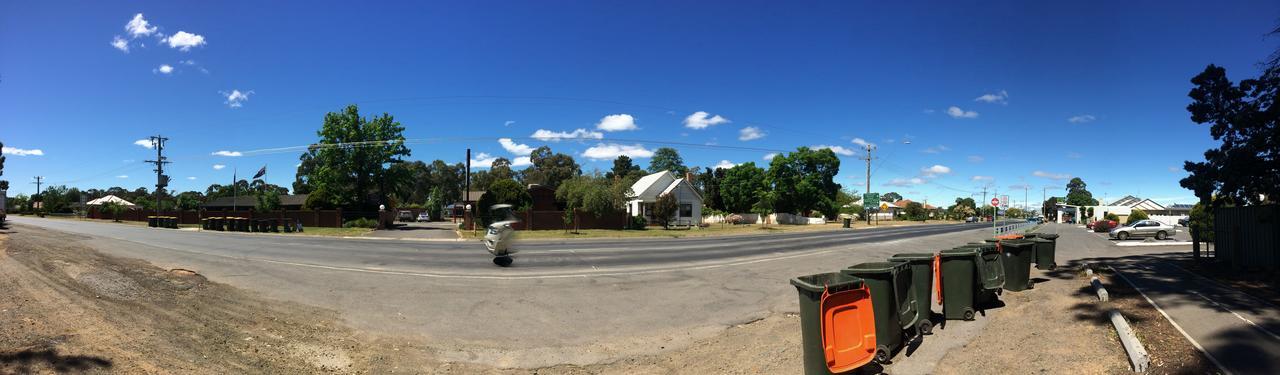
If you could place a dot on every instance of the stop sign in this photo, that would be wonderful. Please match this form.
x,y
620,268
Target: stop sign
x,y
995,202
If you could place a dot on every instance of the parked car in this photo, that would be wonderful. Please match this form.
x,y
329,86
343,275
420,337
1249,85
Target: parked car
x,y
424,216
1184,221
1102,226
404,215
971,219
1143,228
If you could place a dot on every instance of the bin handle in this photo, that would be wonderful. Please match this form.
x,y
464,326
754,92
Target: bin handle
x,y
937,275
828,353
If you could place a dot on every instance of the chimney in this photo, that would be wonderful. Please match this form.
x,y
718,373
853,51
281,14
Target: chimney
x,y
688,176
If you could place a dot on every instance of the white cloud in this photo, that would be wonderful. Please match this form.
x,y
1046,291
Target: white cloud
x,y
515,148
120,44
607,151
146,143
1001,97
905,182
935,170
976,159
956,112
508,123
928,111
839,150
218,167
553,136
1074,155
702,120
1175,169
750,133
1051,176
521,161
769,156
617,123
227,153
123,176
187,62
1020,187
191,178
183,41
483,160
982,178
725,164
21,152
165,69
936,149
236,98
139,26
863,142
1080,119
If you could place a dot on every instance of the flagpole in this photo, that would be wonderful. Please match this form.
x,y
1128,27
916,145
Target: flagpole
x,y
233,189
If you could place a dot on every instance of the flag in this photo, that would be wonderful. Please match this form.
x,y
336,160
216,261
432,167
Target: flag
x,y
260,173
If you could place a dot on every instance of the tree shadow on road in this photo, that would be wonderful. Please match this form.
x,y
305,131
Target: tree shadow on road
x,y
40,360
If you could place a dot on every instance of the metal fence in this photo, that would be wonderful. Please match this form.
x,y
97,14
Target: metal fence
x,y
1247,238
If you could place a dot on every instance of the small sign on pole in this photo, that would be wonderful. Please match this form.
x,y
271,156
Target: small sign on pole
x,y
995,202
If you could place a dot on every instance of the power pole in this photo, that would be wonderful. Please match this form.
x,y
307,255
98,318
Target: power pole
x,y
161,180
39,179
868,159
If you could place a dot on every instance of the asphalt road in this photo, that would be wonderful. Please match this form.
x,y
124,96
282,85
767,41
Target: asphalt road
x,y
468,259
573,301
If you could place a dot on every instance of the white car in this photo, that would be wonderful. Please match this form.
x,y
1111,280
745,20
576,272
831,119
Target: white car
x,y
424,216
1144,228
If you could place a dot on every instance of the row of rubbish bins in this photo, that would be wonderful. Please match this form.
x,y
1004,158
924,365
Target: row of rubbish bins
x,y
864,312
162,222
241,224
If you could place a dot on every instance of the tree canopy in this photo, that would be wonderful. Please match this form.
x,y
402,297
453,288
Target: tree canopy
x,y
667,159
623,166
1245,167
741,187
503,192
804,180
351,160
1078,195
550,169
891,197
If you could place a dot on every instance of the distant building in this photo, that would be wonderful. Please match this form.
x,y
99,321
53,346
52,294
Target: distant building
x,y
648,188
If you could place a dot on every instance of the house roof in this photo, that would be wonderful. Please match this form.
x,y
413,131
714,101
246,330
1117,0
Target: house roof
x,y
108,198
646,182
1139,203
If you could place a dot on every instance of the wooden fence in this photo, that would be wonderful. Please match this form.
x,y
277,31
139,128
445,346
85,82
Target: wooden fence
x,y
1247,238
308,218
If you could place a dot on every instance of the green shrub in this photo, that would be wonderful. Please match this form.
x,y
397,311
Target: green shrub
x,y
1112,216
1136,215
361,223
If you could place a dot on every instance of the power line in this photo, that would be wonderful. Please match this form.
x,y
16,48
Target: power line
x,y
161,179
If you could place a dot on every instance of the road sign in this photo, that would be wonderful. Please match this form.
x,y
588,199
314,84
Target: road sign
x,y
1004,201
871,200
995,202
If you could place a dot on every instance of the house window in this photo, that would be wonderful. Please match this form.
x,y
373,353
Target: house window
x,y
686,210
646,210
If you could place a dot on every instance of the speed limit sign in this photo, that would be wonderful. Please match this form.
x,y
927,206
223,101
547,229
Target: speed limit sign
x,y
995,202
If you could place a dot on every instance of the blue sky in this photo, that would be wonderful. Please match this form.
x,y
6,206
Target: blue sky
x,y
986,92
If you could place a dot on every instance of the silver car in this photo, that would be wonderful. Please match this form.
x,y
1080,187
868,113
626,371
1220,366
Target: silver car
x,y
1144,228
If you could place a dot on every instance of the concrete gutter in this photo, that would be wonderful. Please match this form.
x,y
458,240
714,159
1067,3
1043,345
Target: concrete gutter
x,y
1138,356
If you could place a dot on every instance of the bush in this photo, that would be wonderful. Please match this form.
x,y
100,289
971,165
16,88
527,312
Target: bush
x,y
361,223
1136,215
1111,216
638,223
734,219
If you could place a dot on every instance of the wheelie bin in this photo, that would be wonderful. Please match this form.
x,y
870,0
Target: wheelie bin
x,y
957,271
288,225
1045,253
887,281
1016,260
152,221
920,289
837,327
990,271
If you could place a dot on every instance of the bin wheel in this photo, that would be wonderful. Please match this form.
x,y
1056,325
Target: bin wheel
x,y
968,314
503,261
925,328
882,354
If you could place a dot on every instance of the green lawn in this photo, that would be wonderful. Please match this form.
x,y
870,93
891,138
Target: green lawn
x,y
334,232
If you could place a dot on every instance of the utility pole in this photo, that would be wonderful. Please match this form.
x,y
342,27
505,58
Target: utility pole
x,y
39,180
1044,197
868,159
161,180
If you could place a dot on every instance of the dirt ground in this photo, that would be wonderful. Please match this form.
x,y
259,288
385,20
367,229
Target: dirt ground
x,y
1170,352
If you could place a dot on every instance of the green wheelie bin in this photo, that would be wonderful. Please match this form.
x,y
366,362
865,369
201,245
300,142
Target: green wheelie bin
x,y
152,221
990,271
957,271
1016,260
920,290
836,334
888,282
1046,249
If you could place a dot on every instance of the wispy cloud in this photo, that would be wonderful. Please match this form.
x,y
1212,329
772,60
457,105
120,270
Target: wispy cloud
x,y
21,152
1001,97
608,151
956,112
1051,176
218,167
617,123
839,150
905,182
1020,187
702,120
483,160
935,170
936,149
769,156
724,164
508,123
191,178
1080,119
236,98
554,136
863,142
123,176
1175,169
976,159
164,69
750,133
184,41
521,161
138,26
982,178
120,44
227,153
145,143
515,148
1074,155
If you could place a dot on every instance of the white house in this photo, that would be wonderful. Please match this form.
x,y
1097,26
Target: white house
x,y
649,188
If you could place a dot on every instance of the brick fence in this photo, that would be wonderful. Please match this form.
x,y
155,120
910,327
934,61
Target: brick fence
x,y
308,218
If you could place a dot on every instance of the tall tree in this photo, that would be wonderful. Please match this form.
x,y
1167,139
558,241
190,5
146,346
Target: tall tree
x,y
502,192
1245,168
741,187
550,169
189,200
891,197
622,167
352,158
667,159
4,184
804,180
1078,194
711,184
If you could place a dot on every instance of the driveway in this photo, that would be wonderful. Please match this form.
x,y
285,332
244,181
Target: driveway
x,y
434,230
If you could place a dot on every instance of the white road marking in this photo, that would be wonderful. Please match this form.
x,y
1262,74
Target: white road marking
x,y
1194,343
1238,316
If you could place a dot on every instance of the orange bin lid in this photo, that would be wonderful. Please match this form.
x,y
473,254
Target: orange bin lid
x,y
848,329
1010,237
